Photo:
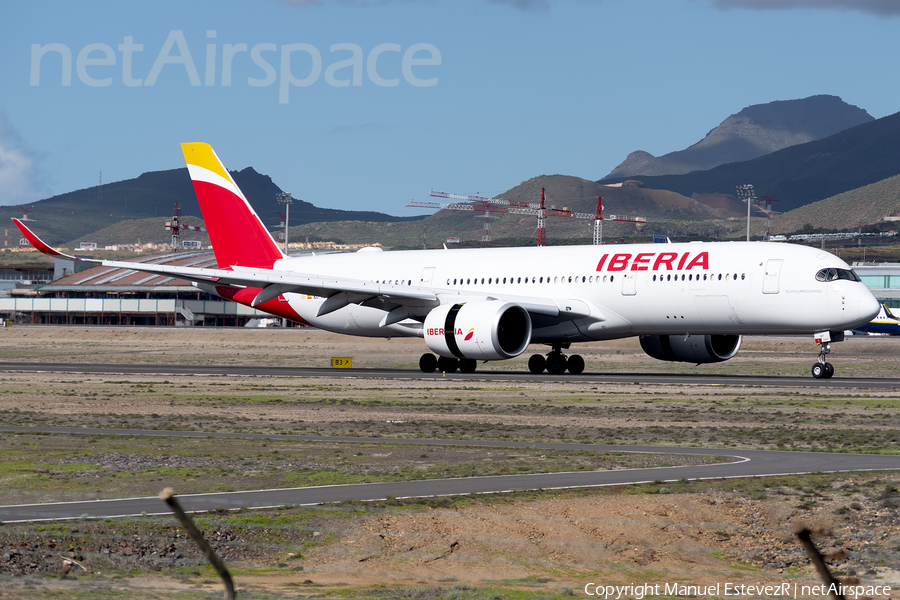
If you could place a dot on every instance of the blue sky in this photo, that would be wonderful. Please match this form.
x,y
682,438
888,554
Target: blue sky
x,y
365,105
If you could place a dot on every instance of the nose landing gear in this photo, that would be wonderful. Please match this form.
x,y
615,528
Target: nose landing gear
x,y
823,369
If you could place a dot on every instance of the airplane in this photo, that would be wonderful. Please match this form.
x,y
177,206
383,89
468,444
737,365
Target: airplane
x,y
689,302
885,323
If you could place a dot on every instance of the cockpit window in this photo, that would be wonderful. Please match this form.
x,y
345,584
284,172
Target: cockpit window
x,y
835,274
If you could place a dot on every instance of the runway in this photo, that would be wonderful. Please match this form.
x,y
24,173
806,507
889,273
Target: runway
x,y
649,378
745,463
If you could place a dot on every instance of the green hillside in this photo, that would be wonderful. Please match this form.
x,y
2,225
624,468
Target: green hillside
x,y
667,213
66,218
860,207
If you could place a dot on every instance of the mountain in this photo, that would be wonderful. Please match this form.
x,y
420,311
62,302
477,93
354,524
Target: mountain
x,y
875,203
755,131
75,215
804,173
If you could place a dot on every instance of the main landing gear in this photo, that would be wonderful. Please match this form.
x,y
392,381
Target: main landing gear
x,y
429,363
823,369
556,362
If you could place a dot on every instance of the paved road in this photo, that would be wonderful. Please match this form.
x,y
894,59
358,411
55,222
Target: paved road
x,y
746,463
649,378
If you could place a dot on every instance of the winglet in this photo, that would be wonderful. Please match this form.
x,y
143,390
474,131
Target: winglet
x,y
38,243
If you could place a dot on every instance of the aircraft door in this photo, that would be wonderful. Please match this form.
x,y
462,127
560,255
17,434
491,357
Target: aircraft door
x,y
772,276
628,287
427,276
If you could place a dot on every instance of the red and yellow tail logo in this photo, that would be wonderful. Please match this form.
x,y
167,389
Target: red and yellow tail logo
x,y
236,232
469,335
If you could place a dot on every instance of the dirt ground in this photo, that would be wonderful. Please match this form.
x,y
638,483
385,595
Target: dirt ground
x,y
863,355
540,544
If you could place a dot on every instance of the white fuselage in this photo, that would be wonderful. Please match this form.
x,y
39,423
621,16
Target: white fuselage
x,y
622,290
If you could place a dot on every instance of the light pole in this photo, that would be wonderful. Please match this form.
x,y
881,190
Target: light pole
x,y
746,193
285,199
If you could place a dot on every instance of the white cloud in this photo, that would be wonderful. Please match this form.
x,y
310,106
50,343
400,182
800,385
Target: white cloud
x,y
20,181
878,7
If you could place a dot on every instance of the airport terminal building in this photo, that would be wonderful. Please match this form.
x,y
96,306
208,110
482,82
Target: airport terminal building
x,y
99,295
883,279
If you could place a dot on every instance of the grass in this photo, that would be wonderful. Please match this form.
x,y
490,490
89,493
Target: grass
x,y
40,467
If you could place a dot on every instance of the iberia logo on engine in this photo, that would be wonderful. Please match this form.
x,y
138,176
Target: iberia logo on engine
x,y
440,331
469,335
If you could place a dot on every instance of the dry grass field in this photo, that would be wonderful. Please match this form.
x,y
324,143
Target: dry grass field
x,y
524,545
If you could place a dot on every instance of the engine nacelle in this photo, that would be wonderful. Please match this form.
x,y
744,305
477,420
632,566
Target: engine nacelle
x,y
691,348
479,330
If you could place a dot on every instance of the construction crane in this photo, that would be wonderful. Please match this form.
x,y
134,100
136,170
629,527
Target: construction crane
x,y
765,205
175,227
25,210
280,226
486,206
23,243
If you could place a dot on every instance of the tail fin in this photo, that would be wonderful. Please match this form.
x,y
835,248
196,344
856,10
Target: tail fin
x,y
237,234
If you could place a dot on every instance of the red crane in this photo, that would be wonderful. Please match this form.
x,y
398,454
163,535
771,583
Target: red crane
x,y
498,205
765,205
175,227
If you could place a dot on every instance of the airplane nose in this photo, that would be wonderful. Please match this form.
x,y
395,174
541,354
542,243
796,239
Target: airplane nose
x,y
868,306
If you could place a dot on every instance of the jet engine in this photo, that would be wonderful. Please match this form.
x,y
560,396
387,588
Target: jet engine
x,y
488,330
691,348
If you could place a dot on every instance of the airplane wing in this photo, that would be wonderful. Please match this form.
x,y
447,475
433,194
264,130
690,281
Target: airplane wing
x,y
338,291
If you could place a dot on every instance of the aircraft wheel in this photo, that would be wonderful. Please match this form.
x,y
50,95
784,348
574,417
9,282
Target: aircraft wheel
x,y
428,363
536,364
829,371
467,365
556,364
575,364
447,365
818,370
